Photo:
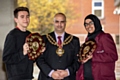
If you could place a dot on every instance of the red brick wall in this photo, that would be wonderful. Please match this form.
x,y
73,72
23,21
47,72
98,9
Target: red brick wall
x,y
110,22
84,7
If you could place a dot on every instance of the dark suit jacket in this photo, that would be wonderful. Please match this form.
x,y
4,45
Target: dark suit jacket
x,y
49,60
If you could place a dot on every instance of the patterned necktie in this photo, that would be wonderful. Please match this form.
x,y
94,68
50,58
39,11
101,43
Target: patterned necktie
x,y
59,41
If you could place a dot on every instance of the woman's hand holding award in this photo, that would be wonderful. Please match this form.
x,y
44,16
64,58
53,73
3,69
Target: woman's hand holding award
x,y
86,49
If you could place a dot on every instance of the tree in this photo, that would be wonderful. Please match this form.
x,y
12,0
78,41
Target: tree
x,y
43,11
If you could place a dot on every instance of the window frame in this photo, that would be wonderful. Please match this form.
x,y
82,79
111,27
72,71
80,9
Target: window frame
x,y
98,8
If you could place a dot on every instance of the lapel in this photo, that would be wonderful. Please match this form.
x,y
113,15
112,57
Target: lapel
x,y
66,35
53,35
99,36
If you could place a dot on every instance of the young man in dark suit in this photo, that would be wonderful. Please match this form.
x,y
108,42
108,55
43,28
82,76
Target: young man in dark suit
x,y
59,61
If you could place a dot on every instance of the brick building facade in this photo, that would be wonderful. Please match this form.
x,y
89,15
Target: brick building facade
x,y
110,21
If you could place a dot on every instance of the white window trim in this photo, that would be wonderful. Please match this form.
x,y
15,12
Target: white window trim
x,y
98,8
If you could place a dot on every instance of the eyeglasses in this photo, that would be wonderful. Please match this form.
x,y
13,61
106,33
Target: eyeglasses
x,y
90,23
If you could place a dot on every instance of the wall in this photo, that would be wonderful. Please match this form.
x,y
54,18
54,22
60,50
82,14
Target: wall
x,y
6,24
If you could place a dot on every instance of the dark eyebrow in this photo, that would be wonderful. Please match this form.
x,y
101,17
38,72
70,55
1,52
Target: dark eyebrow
x,y
89,22
59,21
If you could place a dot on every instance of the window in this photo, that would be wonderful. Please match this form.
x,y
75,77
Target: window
x,y
98,8
117,39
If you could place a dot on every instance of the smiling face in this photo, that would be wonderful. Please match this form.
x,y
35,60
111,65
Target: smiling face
x,y
89,26
22,19
59,23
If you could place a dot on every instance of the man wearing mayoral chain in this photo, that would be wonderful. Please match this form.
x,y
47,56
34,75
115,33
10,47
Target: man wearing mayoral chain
x,y
59,61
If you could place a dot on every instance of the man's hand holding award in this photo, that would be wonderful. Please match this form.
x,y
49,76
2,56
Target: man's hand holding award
x,y
36,45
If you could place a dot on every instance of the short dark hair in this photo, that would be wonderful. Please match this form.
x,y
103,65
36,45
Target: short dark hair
x,y
20,9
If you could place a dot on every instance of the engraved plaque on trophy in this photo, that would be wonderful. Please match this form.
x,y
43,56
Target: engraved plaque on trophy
x,y
36,44
88,46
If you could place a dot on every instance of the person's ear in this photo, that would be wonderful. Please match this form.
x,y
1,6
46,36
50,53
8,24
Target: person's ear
x,y
15,19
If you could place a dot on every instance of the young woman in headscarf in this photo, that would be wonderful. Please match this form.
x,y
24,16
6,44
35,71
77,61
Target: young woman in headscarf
x,y
100,65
